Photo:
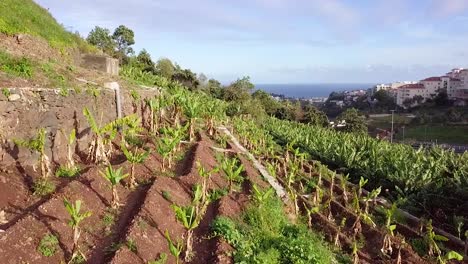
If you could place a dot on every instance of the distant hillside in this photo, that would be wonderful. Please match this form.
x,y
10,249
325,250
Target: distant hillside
x,y
25,16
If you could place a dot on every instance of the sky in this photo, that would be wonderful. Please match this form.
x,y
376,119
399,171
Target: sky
x,y
288,41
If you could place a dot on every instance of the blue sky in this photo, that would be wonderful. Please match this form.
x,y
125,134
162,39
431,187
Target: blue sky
x,y
288,41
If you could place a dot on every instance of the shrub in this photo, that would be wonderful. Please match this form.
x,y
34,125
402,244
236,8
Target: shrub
x,y
48,245
67,172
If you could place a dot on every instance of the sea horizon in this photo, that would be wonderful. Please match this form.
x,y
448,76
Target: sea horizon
x,y
307,90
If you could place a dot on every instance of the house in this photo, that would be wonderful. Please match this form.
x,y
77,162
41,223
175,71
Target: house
x,y
409,91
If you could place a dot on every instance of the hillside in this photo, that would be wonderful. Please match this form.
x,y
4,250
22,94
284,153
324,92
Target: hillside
x,y
30,18
175,172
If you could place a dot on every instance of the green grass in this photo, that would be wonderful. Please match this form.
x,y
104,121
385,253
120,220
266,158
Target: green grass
x,y
25,16
386,121
21,67
439,133
263,234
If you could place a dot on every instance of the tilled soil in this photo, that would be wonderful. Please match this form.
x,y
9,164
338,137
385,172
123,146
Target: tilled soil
x,y
143,219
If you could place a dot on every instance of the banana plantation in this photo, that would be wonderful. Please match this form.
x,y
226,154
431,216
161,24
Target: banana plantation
x,y
167,185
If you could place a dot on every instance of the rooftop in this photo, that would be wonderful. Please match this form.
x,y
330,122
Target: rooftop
x,y
412,86
431,79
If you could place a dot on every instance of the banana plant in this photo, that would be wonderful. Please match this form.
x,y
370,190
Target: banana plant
x,y
342,224
114,177
175,247
389,228
70,169
206,176
233,171
37,144
134,157
76,218
192,109
190,217
98,152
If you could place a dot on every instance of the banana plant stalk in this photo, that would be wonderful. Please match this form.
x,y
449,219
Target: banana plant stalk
x,y
114,177
37,144
76,218
134,157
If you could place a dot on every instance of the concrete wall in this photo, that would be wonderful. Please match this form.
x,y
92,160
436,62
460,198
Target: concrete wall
x,y
100,63
28,109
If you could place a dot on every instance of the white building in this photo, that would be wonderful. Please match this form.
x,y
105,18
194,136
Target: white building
x,y
460,92
451,85
409,91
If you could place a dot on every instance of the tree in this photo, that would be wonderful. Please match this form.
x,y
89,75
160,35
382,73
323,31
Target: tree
x,y
268,102
239,90
315,117
144,59
215,89
202,79
442,99
101,38
186,77
354,121
165,68
124,38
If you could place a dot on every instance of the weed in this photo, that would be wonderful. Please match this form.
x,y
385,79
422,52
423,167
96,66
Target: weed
x,y
21,67
6,92
64,92
108,219
263,234
43,187
131,245
112,248
77,89
93,91
67,172
48,245
167,196
161,260
135,95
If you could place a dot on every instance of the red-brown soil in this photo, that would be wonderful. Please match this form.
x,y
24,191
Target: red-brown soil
x,y
143,219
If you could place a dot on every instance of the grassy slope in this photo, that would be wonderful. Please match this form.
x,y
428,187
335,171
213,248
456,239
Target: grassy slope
x,y
25,16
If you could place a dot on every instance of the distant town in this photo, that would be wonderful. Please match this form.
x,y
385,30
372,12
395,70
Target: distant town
x,y
406,94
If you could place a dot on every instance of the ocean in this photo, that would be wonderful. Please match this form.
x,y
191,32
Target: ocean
x,y
311,90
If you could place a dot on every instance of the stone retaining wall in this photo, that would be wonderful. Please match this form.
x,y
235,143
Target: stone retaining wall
x,y
29,109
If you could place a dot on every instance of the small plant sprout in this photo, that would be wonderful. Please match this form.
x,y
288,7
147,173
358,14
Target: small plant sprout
x,y
371,197
432,239
175,247
162,259
188,216
37,144
389,228
355,252
344,186
260,196
97,151
459,222
134,157
6,92
337,236
76,218
362,182
192,111
206,175
114,177
232,170
70,169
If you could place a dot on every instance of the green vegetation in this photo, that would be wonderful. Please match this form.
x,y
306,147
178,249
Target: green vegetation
x,y
28,17
21,67
48,245
175,247
37,144
436,133
264,235
416,175
76,218
43,187
114,177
